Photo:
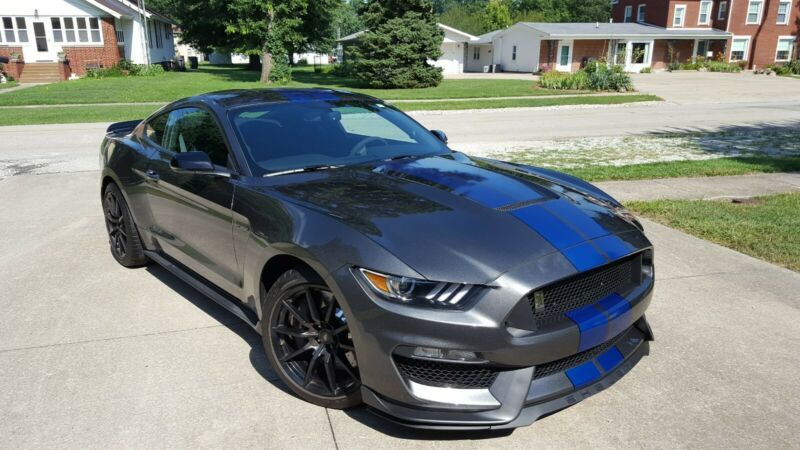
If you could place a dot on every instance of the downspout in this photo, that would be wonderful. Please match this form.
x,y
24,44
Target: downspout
x,y
728,44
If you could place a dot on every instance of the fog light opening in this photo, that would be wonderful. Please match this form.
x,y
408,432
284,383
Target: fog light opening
x,y
445,354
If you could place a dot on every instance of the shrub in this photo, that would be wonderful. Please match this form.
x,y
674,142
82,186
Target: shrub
x,y
596,77
302,62
109,72
717,66
143,70
646,70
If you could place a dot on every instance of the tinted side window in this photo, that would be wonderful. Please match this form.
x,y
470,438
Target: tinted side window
x,y
155,128
194,130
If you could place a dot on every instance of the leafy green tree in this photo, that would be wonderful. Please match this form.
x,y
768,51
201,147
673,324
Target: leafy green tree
x,y
497,15
402,36
466,18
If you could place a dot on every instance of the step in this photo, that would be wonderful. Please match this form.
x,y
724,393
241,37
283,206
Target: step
x,y
26,80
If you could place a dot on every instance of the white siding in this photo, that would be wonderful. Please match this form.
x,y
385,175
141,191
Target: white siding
x,y
476,65
452,59
528,45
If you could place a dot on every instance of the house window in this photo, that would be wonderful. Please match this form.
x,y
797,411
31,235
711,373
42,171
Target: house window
x,y
58,33
640,13
739,48
69,28
628,13
785,47
679,16
8,29
722,14
76,29
476,53
783,12
94,29
705,12
159,37
149,34
22,29
640,53
754,12
514,53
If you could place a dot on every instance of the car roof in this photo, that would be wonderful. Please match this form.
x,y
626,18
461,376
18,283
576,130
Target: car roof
x,y
238,98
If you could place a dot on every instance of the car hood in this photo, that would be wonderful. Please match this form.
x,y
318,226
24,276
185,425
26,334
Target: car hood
x,y
453,218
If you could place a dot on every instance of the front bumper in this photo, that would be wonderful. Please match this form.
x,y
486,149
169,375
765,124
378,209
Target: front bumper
x,y
496,329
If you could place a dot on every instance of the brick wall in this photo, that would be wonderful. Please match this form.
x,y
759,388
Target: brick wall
x,y
657,12
12,68
546,56
764,36
587,50
105,56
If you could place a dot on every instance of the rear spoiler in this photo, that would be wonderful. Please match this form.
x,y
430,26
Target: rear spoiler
x,y
123,128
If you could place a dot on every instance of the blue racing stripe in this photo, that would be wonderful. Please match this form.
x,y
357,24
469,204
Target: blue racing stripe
x,y
584,374
580,219
614,247
592,324
618,310
584,256
553,230
610,359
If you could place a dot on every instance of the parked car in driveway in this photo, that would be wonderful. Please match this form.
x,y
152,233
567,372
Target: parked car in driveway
x,y
378,265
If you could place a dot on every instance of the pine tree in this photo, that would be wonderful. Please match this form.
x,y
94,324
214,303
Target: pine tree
x,y
402,37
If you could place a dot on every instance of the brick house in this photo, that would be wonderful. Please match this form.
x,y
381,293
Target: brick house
x,y
763,32
48,40
565,47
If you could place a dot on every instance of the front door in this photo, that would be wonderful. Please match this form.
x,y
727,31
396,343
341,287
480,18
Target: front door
x,y
640,55
564,63
41,37
191,213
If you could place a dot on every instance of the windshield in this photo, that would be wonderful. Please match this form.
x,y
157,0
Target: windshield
x,y
286,136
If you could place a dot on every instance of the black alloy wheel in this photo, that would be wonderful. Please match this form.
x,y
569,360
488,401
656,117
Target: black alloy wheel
x,y
308,341
126,247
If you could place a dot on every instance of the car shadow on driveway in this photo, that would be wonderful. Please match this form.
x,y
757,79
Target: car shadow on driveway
x,y
262,366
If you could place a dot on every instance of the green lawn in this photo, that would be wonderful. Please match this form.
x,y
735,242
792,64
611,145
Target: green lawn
x,y
175,85
116,113
10,84
767,228
674,169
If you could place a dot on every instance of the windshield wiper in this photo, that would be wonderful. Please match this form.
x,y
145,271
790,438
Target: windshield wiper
x,y
315,168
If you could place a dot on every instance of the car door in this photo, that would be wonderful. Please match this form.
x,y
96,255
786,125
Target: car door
x,y
192,211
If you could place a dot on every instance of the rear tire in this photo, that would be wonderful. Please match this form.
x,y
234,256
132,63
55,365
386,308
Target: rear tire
x,y
123,237
308,342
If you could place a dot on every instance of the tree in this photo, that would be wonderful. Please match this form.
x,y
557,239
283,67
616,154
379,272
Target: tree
x,y
402,36
466,18
497,15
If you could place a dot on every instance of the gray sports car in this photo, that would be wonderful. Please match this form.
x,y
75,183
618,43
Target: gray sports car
x,y
378,265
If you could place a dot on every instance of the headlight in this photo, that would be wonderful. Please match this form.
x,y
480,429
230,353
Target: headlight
x,y
415,291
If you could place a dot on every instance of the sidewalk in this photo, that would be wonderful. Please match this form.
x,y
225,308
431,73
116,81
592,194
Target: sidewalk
x,y
709,188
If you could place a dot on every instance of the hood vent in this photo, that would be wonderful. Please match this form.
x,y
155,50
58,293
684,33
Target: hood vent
x,y
519,205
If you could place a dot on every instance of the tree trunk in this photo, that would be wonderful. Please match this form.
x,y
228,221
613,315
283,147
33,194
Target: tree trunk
x,y
266,67
254,63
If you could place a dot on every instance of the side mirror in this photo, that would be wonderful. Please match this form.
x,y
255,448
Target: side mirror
x,y
440,135
195,162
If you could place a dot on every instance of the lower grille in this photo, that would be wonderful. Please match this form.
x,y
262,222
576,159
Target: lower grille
x,y
584,289
577,359
444,374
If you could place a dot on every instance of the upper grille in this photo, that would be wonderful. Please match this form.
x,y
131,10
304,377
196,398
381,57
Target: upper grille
x,y
577,359
443,374
585,289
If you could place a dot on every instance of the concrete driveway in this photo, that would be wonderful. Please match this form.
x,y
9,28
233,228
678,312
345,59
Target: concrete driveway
x,y
93,355
692,87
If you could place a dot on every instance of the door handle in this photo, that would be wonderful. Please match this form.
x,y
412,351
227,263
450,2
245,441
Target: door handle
x,y
151,174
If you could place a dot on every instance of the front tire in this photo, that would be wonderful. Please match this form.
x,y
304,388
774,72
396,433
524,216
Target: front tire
x,y
123,237
308,342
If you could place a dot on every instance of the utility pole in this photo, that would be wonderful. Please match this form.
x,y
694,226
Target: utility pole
x,y
145,30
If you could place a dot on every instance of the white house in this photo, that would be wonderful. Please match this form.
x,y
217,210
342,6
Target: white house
x,y
69,36
565,47
454,48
